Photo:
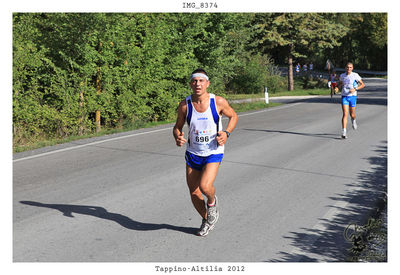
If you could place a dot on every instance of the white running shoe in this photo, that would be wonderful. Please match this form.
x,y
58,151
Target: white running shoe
x,y
212,212
354,124
205,228
344,136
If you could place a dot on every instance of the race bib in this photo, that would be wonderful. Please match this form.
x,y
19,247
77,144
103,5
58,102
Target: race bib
x,y
203,139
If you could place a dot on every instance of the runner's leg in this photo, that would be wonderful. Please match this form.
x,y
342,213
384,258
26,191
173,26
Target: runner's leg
x,y
345,109
353,112
209,174
193,177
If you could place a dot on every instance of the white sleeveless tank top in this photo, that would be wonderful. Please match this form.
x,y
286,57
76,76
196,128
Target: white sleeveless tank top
x,y
203,128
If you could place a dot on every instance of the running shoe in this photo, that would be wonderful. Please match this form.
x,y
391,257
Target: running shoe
x,y
354,124
212,212
344,136
205,228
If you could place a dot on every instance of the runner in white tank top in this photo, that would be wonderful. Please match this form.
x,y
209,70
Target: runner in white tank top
x,y
203,129
205,144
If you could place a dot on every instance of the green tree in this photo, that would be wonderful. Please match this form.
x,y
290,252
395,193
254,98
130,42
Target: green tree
x,y
221,46
296,34
35,104
373,40
365,43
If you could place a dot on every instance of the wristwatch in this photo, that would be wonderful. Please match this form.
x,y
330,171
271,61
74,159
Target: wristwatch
x,y
227,133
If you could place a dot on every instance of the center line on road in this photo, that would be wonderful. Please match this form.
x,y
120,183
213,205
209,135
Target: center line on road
x,y
138,134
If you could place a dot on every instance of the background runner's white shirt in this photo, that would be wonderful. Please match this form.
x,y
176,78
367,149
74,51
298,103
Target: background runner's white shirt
x,y
203,131
349,82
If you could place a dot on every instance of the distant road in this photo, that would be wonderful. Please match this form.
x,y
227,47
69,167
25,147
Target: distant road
x,y
288,188
317,72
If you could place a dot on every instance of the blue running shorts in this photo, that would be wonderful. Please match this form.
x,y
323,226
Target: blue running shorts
x,y
349,100
198,163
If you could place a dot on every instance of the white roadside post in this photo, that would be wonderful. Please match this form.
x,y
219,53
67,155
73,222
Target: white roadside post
x,y
266,95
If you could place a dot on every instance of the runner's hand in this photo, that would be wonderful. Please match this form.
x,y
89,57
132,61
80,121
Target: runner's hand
x,y
180,140
221,138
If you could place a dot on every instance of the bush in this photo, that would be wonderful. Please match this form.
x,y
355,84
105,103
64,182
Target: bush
x,y
308,82
275,83
258,72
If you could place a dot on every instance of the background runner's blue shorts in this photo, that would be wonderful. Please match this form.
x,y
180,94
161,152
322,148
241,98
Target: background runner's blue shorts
x,y
197,162
349,100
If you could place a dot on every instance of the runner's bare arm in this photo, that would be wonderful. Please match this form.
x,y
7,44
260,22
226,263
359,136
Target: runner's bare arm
x,y
225,109
180,122
359,87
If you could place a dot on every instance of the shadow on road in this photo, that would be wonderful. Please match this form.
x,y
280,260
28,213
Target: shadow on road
x,y
102,213
365,199
324,135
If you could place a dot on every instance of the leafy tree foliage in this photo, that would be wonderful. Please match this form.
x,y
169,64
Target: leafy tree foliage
x,y
365,43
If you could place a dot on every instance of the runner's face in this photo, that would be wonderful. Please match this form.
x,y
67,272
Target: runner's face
x,y
349,68
199,85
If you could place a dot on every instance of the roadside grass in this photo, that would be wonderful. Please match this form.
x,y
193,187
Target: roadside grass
x,y
298,92
252,106
303,92
314,87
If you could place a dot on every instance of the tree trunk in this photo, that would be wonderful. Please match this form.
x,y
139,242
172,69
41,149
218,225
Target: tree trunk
x,y
290,73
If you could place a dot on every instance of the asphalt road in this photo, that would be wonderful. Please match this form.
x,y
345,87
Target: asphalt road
x,y
288,188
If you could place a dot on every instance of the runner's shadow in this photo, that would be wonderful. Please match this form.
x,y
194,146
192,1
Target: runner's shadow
x,y
102,213
330,136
